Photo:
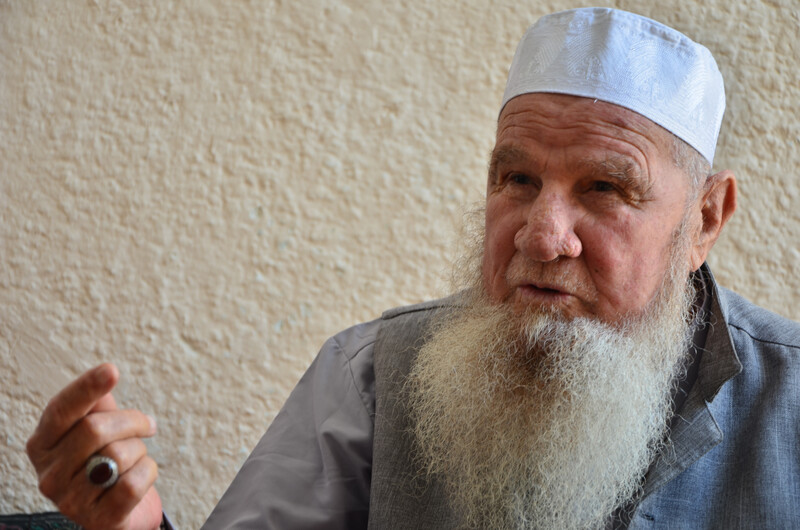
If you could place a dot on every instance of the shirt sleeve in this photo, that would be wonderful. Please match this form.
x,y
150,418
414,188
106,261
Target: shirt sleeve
x,y
312,468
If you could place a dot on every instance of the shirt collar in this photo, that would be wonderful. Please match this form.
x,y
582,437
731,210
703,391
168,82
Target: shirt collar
x,y
719,362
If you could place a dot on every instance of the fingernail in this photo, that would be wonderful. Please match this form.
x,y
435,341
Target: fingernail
x,y
102,375
153,425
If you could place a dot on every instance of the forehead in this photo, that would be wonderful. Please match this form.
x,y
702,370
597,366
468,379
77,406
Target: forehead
x,y
582,125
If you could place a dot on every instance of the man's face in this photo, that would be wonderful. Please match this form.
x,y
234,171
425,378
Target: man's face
x,y
583,206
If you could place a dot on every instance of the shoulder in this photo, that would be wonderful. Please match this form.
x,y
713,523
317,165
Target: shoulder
x,y
748,322
423,309
357,342
402,332
406,327
354,341
359,339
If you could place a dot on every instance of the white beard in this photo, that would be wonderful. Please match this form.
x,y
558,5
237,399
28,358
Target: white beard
x,y
535,421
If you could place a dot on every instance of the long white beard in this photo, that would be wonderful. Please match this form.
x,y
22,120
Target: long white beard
x,y
535,421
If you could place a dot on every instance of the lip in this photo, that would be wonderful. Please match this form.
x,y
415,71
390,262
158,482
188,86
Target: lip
x,y
542,293
548,287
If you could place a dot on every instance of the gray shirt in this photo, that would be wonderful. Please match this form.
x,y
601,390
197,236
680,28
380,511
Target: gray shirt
x,y
312,469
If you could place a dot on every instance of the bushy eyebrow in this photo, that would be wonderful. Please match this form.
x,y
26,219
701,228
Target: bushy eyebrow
x,y
623,171
506,155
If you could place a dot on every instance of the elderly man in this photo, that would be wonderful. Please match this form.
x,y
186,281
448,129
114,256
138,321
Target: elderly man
x,y
590,373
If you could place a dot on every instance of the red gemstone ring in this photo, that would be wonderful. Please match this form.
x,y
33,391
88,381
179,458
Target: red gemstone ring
x,y
102,471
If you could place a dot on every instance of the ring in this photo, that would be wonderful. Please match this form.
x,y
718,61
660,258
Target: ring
x,y
102,471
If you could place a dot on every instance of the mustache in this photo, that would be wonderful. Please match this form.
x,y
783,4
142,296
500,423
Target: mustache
x,y
557,275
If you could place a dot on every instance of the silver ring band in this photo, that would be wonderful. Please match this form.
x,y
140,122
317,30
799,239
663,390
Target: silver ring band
x,y
102,471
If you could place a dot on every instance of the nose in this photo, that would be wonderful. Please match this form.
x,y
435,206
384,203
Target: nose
x,y
549,230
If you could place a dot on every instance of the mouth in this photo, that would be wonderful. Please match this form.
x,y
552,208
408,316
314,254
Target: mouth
x,y
545,288
542,293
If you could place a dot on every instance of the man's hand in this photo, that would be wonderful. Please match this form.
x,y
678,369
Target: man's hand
x,y
80,421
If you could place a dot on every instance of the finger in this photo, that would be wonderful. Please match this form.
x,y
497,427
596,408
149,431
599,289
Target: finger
x,y
105,404
93,507
100,429
125,453
129,490
71,404
89,436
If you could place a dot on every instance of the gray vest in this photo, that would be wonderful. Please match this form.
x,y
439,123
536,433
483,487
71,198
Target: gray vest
x,y
398,497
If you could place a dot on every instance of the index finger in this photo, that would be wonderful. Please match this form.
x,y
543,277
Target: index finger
x,y
73,403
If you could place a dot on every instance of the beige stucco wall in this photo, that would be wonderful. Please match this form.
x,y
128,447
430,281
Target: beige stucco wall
x,y
203,191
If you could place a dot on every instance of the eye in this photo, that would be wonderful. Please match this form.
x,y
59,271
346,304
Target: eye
x,y
602,186
520,179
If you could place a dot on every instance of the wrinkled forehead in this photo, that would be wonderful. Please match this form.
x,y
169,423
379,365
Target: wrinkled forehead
x,y
555,119
628,60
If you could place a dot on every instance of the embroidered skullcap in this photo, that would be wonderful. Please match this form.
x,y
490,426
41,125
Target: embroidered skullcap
x,y
628,60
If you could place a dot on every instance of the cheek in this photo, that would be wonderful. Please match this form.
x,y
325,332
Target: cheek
x,y
627,263
498,247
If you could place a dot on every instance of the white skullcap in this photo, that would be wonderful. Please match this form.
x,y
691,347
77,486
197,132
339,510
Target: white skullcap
x,y
628,60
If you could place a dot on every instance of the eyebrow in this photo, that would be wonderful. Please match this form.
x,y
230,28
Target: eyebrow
x,y
624,171
507,155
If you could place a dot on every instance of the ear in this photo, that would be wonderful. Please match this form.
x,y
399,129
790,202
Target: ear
x,y
717,204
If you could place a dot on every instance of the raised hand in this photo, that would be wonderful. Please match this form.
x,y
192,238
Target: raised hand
x,y
83,420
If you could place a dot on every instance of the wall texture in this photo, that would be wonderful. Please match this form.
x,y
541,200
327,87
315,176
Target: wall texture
x,y
203,191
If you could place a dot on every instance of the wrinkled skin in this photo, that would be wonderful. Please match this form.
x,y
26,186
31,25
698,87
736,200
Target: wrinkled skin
x,y
584,202
82,420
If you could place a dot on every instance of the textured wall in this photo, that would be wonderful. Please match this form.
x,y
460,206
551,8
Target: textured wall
x,y
203,191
